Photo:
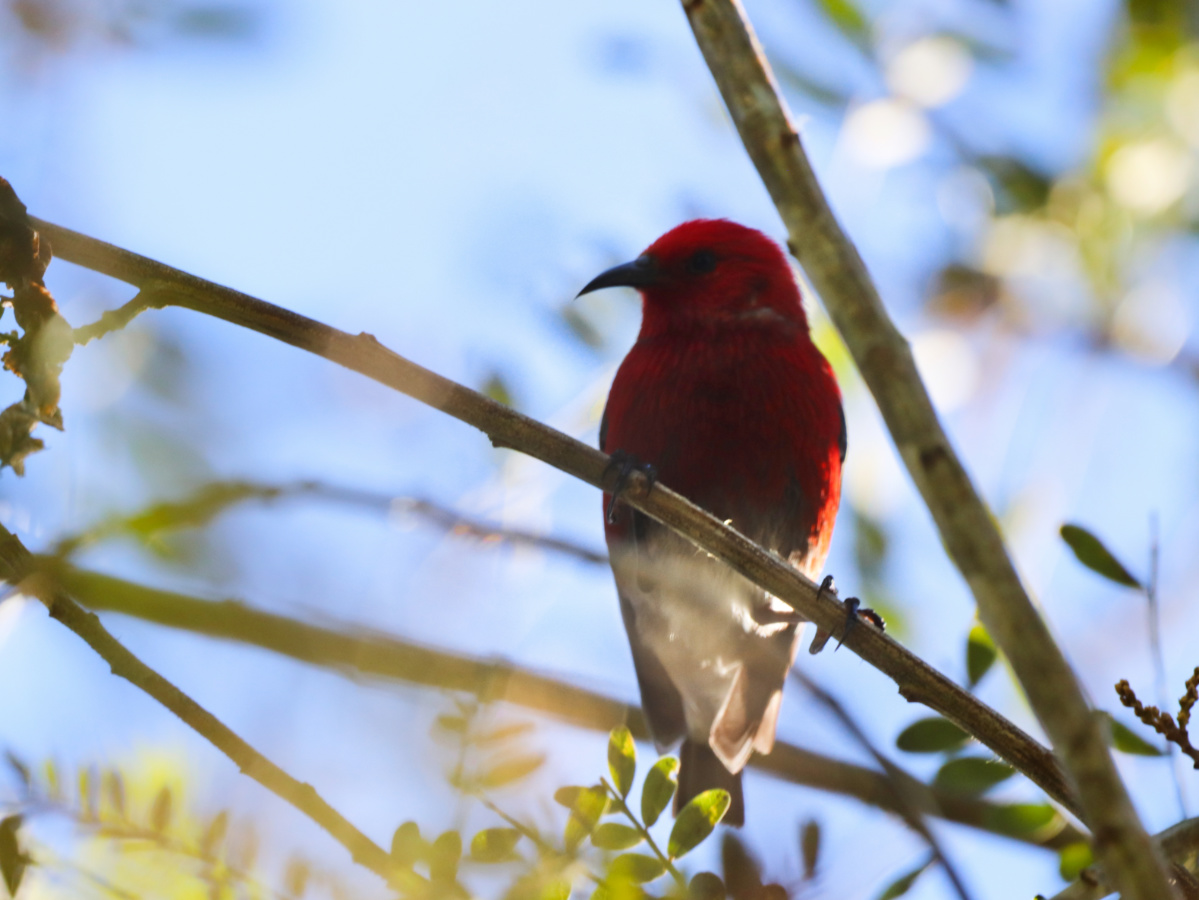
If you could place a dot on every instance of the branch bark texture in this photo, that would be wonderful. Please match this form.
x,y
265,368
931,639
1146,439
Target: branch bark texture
x,y
162,285
966,525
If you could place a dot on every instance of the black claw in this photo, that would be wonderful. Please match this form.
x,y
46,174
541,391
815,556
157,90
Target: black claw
x,y
854,612
625,465
826,587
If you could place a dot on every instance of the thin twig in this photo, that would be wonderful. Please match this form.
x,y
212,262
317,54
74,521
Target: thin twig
x,y
215,497
884,359
359,653
17,566
909,808
917,681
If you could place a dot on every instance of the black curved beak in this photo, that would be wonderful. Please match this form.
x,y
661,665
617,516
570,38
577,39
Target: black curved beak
x,y
641,272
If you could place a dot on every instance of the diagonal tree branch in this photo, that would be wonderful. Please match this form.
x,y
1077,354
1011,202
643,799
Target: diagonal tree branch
x,y
917,681
359,653
967,528
18,567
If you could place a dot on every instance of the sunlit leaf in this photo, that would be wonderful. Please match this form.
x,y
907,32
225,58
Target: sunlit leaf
x,y
586,807
658,789
407,845
160,812
846,16
295,878
494,845
1126,740
809,845
637,868
622,759
696,821
1092,553
615,836
214,834
451,724
114,791
53,784
972,775
88,806
504,733
933,734
497,389
1073,858
1031,820
510,771
980,654
903,883
444,856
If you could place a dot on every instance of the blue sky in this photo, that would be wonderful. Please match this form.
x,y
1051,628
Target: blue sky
x,y
445,177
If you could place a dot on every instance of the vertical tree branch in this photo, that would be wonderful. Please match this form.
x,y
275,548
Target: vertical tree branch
x,y
885,361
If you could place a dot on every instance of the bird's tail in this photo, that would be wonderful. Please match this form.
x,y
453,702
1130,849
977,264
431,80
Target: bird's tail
x,y
700,770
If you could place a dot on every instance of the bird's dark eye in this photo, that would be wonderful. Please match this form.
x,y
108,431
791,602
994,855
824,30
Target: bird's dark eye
x,y
701,262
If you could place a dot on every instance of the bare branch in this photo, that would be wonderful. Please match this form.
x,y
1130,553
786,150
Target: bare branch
x,y
966,525
18,567
369,653
917,681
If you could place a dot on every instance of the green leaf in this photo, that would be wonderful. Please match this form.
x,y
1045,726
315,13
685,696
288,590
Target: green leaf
x,y
160,812
614,836
809,845
87,794
696,821
407,845
1095,556
451,724
587,806
497,389
706,886
12,859
494,845
636,867
114,791
980,654
622,759
972,775
1073,858
846,16
510,771
444,856
214,834
557,889
931,735
504,733
295,877
658,789
1028,820
903,883
1124,739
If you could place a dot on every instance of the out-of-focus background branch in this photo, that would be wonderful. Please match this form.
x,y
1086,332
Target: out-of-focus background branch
x,y
1020,179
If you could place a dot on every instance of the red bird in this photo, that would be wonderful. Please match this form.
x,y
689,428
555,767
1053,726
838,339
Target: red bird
x,y
726,396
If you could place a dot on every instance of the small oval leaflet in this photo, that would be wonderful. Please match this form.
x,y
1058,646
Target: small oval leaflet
x,y
637,868
696,821
933,734
1092,553
615,836
622,759
658,789
980,654
972,774
494,845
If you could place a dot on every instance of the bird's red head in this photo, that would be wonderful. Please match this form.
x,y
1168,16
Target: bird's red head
x,y
710,271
